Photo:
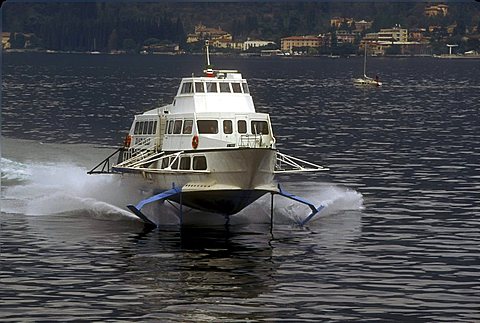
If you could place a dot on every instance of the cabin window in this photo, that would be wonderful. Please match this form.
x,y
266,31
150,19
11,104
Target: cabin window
x,y
227,127
187,127
259,127
170,126
224,87
137,127
187,88
212,87
177,128
245,88
165,162
199,163
150,127
145,128
207,126
242,126
236,88
154,127
175,163
199,87
166,126
185,163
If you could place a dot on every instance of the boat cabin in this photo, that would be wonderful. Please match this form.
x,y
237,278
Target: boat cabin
x,y
207,113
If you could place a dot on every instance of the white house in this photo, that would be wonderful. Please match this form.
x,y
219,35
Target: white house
x,y
256,43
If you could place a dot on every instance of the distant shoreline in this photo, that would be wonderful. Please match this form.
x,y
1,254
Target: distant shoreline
x,y
43,51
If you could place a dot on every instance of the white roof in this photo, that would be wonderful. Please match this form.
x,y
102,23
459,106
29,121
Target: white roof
x,y
197,101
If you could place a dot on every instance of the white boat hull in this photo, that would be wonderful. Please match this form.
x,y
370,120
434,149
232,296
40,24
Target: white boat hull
x,y
235,178
367,82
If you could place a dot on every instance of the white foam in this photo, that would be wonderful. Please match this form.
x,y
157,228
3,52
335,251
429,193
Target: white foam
x,y
335,200
50,188
12,170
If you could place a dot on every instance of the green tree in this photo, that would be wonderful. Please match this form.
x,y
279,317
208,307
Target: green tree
x,y
11,39
180,35
34,42
333,40
151,41
460,28
345,49
312,50
129,44
17,41
472,44
113,40
393,50
344,26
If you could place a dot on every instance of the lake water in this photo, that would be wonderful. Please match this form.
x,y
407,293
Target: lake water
x,y
399,239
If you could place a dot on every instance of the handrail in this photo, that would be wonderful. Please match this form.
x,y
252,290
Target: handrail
x,y
148,159
155,157
290,164
105,164
250,141
139,151
134,158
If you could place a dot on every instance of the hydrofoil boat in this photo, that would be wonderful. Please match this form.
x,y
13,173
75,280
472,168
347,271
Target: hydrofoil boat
x,y
208,150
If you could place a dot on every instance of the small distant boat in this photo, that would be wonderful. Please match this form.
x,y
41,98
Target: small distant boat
x,y
365,80
94,51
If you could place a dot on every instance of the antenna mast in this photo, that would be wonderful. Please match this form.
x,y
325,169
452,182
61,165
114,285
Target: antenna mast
x,y
208,54
208,71
365,62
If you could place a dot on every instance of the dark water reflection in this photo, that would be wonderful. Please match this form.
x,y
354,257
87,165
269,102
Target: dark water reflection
x,y
406,249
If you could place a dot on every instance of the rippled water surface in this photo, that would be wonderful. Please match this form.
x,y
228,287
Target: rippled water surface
x,y
399,239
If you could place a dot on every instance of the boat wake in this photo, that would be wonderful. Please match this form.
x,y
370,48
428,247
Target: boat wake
x,y
55,188
335,199
65,188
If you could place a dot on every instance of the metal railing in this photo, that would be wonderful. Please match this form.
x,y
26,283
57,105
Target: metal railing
x,y
105,166
250,141
290,164
144,147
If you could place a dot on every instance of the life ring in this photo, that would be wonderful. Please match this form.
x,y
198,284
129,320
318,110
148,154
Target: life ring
x,y
195,142
127,141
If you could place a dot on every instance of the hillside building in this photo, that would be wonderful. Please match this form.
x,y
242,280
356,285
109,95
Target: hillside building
x,y
436,10
344,37
395,34
396,38
256,43
362,25
5,40
203,33
288,43
356,25
417,34
338,21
